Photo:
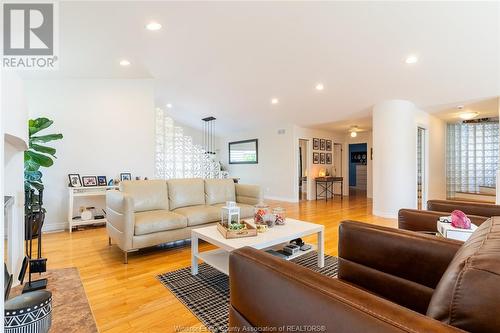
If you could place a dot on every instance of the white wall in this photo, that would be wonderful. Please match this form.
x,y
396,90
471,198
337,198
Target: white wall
x,y
14,123
275,172
362,137
435,156
108,128
394,157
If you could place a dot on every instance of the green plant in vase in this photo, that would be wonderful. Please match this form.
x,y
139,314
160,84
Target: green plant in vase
x,y
38,154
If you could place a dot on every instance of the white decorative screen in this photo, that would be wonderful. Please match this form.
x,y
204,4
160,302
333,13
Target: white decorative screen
x,y
472,156
176,156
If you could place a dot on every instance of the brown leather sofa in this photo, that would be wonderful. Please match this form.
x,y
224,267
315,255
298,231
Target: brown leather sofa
x,y
389,280
425,220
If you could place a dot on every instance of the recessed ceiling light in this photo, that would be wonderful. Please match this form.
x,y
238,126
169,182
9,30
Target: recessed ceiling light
x,y
354,134
320,86
169,105
124,62
412,59
275,101
468,115
153,26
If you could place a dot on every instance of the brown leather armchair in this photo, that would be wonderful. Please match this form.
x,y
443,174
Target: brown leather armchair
x,y
425,220
389,280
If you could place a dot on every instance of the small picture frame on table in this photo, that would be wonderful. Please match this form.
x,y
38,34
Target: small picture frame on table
x,y
315,144
315,158
89,181
322,144
125,176
322,158
328,145
328,158
74,180
102,181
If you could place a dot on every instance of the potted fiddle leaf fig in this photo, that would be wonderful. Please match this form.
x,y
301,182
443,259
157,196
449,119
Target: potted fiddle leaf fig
x,y
38,154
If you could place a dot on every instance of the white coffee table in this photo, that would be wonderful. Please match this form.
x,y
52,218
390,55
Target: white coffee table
x,y
219,258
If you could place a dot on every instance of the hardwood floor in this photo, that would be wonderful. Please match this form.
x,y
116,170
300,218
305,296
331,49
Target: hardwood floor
x,y
128,298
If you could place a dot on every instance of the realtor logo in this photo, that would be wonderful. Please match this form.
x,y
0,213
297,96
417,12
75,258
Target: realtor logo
x,y
29,32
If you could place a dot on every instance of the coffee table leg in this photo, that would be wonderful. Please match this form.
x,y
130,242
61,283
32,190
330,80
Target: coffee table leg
x,y
321,250
194,253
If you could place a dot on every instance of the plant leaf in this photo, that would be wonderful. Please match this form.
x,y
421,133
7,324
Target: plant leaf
x,y
40,159
46,138
32,176
43,149
38,124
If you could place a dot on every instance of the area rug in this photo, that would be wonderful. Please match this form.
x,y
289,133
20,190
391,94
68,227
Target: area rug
x,y
206,295
70,308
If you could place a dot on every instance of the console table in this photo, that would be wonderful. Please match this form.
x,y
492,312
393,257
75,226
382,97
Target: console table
x,y
76,192
324,187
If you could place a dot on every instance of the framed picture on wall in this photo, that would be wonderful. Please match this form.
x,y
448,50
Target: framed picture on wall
x,y
322,158
315,158
328,145
322,144
328,158
315,144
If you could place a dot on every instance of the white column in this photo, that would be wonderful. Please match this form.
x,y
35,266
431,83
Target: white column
x,y
394,157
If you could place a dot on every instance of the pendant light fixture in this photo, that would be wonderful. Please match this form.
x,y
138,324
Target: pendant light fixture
x,y
209,135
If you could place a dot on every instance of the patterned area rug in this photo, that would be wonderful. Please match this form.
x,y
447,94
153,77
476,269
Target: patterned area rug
x,y
206,295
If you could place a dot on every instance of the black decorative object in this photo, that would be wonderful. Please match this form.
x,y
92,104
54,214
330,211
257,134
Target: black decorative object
x,y
358,157
29,313
322,144
315,144
89,181
328,158
322,158
244,152
125,176
315,158
101,181
74,180
34,219
328,145
209,135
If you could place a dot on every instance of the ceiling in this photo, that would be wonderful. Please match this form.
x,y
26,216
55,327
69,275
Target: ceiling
x,y
228,59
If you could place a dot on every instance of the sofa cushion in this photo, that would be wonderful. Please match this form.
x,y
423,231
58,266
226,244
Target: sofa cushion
x,y
219,191
246,211
200,214
186,192
147,194
468,293
156,221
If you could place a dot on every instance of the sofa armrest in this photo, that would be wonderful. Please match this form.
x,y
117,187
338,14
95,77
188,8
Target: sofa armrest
x,y
468,207
275,295
402,266
120,218
248,194
425,220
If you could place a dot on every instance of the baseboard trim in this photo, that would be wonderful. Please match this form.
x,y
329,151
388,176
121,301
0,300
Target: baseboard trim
x,y
53,227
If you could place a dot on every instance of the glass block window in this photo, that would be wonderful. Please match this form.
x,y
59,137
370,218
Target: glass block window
x,y
176,156
472,156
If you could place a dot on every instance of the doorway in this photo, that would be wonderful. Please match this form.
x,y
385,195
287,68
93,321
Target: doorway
x,y
303,168
358,172
421,190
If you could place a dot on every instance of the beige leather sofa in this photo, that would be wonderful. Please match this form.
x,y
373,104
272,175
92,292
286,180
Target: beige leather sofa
x,y
145,213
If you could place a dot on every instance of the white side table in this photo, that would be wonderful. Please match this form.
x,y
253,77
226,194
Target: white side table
x,y
75,192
